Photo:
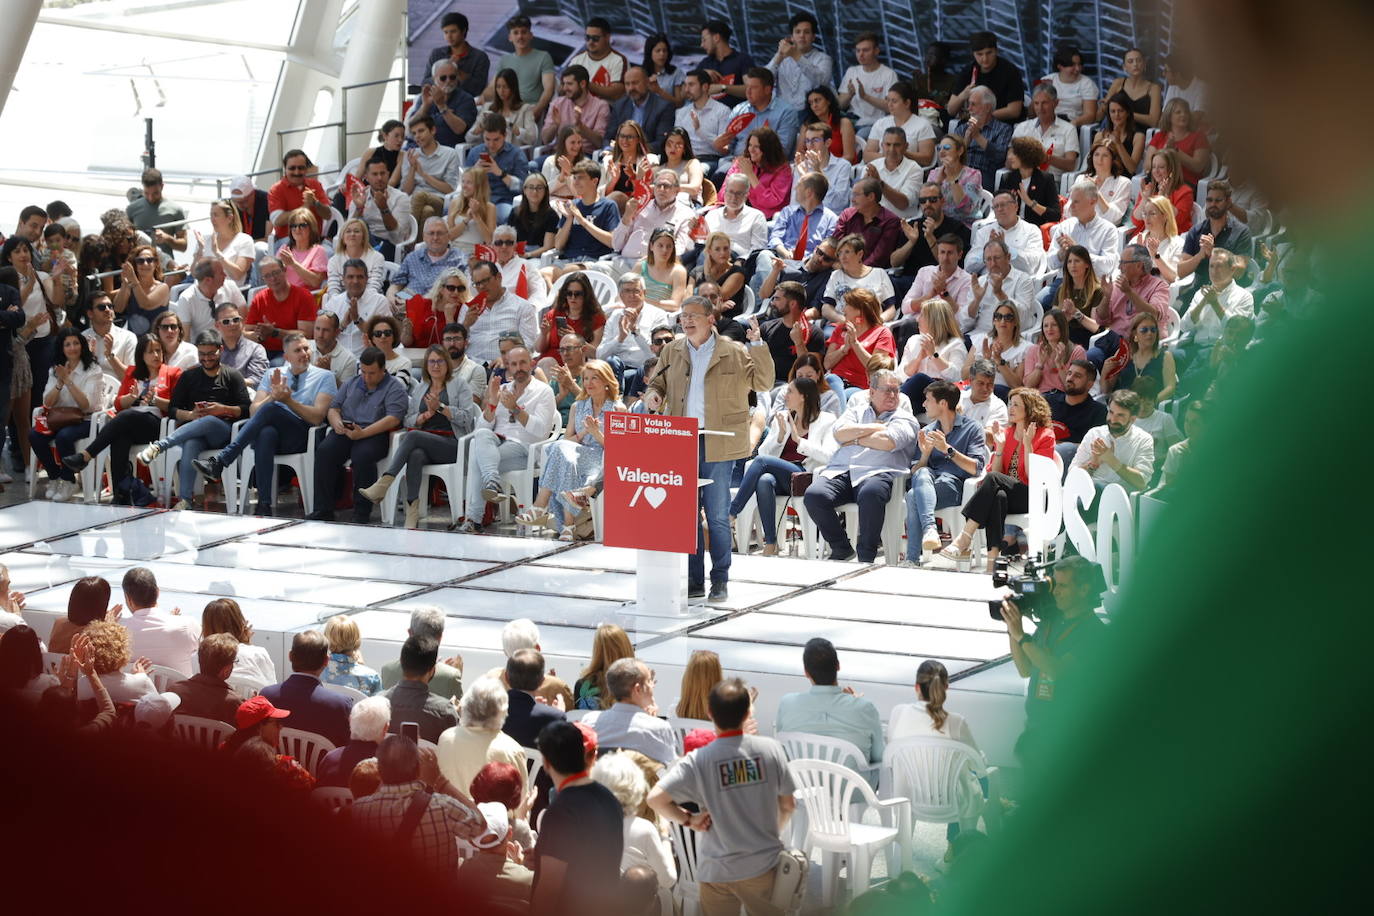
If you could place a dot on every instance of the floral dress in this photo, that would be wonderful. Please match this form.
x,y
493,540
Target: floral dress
x,y
570,465
345,672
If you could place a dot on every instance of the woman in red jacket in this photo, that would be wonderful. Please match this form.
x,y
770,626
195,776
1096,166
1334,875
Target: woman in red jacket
x,y
142,402
1005,489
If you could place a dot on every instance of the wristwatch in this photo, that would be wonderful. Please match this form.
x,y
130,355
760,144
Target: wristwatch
x,y
949,453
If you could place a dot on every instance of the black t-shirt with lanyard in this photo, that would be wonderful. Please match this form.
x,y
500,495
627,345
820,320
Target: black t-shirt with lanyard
x,y
584,828
1061,638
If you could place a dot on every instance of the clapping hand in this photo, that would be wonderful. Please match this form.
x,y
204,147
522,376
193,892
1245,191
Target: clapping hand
x,y
509,400
937,440
927,345
924,441
1208,242
910,230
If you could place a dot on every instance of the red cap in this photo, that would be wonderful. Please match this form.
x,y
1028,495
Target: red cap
x,y
253,711
697,738
589,743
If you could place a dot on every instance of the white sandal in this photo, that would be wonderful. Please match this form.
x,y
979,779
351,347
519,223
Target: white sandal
x,y
535,517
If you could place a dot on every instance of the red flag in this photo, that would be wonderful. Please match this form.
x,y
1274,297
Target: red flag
x,y
642,192
522,283
484,253
353,186
739,122
602,77
520,248
1045,166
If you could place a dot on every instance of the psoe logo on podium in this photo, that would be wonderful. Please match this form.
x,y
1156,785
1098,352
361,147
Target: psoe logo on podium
x,y
651,482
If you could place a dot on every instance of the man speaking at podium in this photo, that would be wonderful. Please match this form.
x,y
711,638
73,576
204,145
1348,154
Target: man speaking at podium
x,y
709,377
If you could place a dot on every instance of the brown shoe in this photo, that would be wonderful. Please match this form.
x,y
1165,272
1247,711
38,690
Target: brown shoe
x,y
769,550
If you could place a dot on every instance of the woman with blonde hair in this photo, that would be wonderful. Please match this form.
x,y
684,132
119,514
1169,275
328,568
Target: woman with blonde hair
x,y
936,352
703,672
1160,236
627,161
228,242
575,460
355,242
609,645
471,216
665,279
346,666
1165,179
253,664
1179,134
143,295
1005,488
427,315
110,645
303,257
929,719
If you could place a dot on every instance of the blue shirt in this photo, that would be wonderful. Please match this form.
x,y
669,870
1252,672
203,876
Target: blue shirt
x,y
987,161
966,438
307,386
787,227
460,103
860,461
511,161
830,712
782,118
419,271
603,214
699,360
364,406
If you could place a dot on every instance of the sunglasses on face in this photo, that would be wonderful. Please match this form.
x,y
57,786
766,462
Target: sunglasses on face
x,y
825,256
1144,330
300,225
663,340
504,242
104,308
169,327
230,321
447,79
1003,317
593,37
454,288
383,332
145,260
945,147
929,200
574,293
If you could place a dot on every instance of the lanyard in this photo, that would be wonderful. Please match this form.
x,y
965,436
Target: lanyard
x,y
573,778
732,733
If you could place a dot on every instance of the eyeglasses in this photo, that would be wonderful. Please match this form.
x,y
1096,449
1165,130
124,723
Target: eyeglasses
x,y
1143,329
573,293
169,327
300,225
504,242
815,141
824,256
227,322
104,308
627,136
145,260
694,316
384,332
1004,317
929,200
592,36
666,185
447,79
455,288
888,389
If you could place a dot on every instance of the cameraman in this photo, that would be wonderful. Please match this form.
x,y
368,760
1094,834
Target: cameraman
x,y
1067,625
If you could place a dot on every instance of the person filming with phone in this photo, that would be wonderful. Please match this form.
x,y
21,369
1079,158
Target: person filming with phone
x,y
1066,628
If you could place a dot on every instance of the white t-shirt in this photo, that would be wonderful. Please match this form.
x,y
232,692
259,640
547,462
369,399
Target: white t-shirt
x,y
904,179
240,246
985,412
1072,95
1014,357
1135,449
840,283
34,305
1195,95
916,127
875,83
125,342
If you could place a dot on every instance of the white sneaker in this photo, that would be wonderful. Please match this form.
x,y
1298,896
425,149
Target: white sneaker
x,y
51,492
931,539
63,491
149,453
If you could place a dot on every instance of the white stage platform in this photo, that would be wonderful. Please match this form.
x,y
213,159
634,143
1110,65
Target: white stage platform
x,y
290,576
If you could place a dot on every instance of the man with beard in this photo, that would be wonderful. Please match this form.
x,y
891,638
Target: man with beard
x,y
455,340
1073,410
327,353
1219,230
1118,452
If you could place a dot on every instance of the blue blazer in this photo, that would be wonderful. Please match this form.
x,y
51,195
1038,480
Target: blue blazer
x,y
314,707
525,718
658,119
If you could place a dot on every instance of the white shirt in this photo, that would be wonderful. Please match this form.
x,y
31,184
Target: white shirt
x,y
538,402
952,351
1024,240
35,305
1134,448
185,356
917,129
1018,287
631,239
1099,237
124,344
1116,195
634,349
165,638
985,412
1234,300
89,380
509,313
538,290
198,313
342,362
1072,96
712,117
1195,95
798,77
253,664
642,844
876,82
240,246
904,179
748,231
700,360
1014,356
370,303
398,202
1059,139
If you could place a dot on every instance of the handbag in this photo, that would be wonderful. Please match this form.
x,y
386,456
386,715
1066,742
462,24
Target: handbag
x,y
789,880
62,417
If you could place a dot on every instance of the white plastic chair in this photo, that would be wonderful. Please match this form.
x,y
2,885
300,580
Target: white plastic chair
x,y
894,521
352,693
806,746
244,687
1042,520
681,726
161,676
827,791
952,517
333,798
206,733
307,747
91,475
534,762
521,481
687,892
302,463
453,475
747,522
602,285
928,770
986,197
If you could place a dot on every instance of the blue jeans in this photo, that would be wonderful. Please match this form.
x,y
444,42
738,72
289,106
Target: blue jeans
x,y
194,437
715,499
65,439
274,429
928,492
766,477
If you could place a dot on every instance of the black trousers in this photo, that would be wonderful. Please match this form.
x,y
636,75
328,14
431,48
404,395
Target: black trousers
x,y
825,495
330,456
998,496
135,426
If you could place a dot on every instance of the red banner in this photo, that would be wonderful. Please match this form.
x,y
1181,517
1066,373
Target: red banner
x,y
651,482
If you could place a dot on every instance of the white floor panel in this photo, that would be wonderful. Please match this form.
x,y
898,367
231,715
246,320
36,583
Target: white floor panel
x,y
416,543
547,610
895,580
771,570
31,570
389,628
897,609
159,535
848,635
342,563
38,521
617,586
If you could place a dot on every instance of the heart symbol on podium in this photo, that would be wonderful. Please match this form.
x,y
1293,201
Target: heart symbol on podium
x,y
655,496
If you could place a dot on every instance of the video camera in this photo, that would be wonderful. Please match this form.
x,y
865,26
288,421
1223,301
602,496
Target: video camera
x,y
1032,590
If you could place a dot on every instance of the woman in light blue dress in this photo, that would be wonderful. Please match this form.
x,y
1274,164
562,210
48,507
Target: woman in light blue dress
x,y
346,666
575,461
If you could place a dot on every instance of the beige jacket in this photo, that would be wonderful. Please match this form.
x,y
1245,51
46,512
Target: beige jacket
x,y
734,371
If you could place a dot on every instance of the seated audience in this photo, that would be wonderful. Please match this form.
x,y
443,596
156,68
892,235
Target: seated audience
x,y
764,163
665,209
1118,452
628,165
609,644
643,843
411,699
444,101
829,711
304,259
526,714
950,450
854,273
279,309
238,351
1122,136
195,307
534,219
1179,133
472,216
142,293
368,722
746,226
495,874
1002,282
981,402
207,694
522,633
629,327
1074,410
89,600
1081,297
857,339
385,209
346,666
867,218
900,177
960,185
1083,226
253,666
630,722
72,396
478,738
1144,358
493,310
423,267
1106,170
576,310
21,666
176,352
427,315
1058,138
429,172
985,137
577,107
1220,229
1002,346
587,221
863,86
315,708
355,243
1213,305
522,128
383,332
1037,192
899,103
944,280
428,621
1052,354
110,653
164,638
1165,179
665,278
702,673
